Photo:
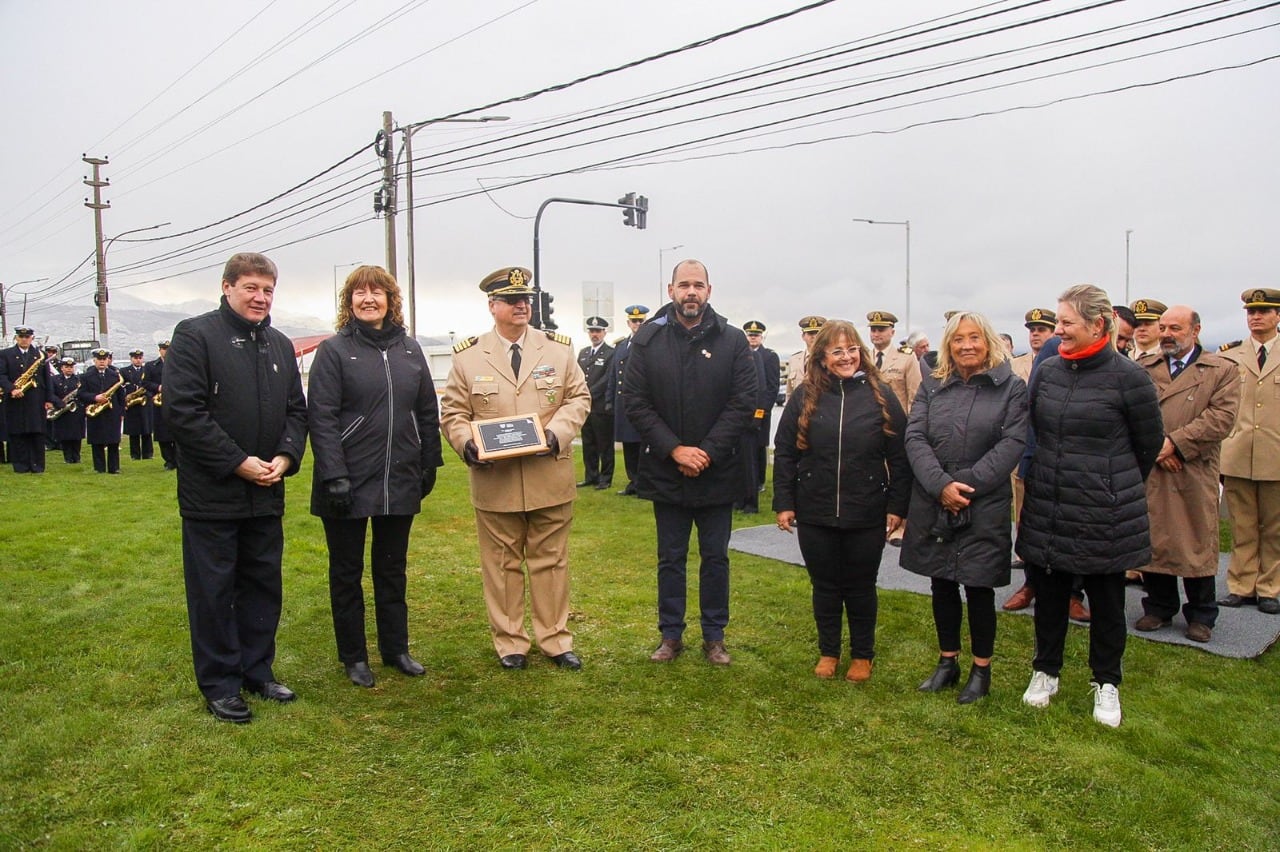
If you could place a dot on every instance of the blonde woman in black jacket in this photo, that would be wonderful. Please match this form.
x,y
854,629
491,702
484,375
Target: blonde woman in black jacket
x,y
842,481
375,434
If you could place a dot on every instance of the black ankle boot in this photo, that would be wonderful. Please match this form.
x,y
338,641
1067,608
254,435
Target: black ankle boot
x,y
978,684
946,674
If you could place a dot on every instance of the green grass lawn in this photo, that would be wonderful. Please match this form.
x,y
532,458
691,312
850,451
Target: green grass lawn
x,y
106,742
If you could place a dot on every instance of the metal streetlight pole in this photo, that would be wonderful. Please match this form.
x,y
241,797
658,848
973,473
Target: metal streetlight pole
x,y
336,267
1127,232
4,326
408,130
662,271
100,297
907,224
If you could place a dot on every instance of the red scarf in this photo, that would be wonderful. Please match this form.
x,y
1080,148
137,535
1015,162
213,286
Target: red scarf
x,y
1092,349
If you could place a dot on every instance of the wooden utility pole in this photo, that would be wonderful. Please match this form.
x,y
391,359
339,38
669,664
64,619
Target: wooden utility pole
x,y
388,153
97,206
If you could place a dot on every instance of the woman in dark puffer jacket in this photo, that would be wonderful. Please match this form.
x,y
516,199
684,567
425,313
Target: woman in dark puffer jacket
x,y
1098,432
840,476
967,431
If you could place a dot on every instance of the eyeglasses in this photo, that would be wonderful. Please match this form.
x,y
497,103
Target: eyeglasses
x,y
840,353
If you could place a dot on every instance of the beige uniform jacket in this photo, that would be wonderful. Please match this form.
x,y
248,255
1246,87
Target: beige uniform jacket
x,y
551,385
1198,409
901,371
1022,366
1252,450
795,371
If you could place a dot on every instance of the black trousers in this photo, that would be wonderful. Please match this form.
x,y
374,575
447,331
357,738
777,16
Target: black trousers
x,y
1162,597
762,460
106,458
631,459
842,566
140,447
232,574
1031,575
26,452
169,452
674,524
71,451
597,448
948,613
387,561
748,498
1106,627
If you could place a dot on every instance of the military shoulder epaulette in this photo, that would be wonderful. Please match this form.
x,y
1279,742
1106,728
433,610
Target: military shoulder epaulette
x,y
559,338
905,350
1232,345
466,344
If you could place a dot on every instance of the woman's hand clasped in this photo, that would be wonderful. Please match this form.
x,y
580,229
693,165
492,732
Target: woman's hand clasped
x,y
954,496
786,521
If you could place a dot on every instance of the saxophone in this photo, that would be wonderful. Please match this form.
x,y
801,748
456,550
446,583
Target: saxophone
x,y
69,404
158,399
135,397
28,379
96,408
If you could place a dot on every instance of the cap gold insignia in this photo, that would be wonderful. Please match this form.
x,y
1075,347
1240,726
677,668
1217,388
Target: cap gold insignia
x,y
1258,296
876,316
1140,306
1037,314
515,278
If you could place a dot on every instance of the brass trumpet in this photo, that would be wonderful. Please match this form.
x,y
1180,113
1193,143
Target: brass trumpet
x,y
96,408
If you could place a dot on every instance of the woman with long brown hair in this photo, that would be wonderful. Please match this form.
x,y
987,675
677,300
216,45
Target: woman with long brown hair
x,y
841,480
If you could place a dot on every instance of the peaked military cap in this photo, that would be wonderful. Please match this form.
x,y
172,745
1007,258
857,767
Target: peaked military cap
x,y
508,281
753,327
24,331
881,319
101,353
51,348
68,361
163,344
1147,310
813,323
135,352
1261,297
597,323
636,311
1041,316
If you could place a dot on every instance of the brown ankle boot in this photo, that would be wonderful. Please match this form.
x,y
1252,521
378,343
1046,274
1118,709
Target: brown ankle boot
x,y
826,667
859,671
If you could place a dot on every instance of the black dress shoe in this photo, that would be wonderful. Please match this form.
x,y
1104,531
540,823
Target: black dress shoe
x,y
603,486
406,665
567,660
513,661
586,482
360,674
271,690
946,674
977,686
1234,600
1271,606
230,709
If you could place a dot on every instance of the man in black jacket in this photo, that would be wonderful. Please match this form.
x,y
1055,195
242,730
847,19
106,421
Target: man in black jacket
x,y
234,403
690,390
24,407
597,432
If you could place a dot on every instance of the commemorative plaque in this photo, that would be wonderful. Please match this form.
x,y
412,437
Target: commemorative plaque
x,y
505,437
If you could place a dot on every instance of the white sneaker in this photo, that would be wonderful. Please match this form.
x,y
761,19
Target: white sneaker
x,y
1106,704
1040,690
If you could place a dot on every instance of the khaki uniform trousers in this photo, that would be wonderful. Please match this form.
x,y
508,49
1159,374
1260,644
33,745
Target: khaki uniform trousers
x,y
1255,528
538,539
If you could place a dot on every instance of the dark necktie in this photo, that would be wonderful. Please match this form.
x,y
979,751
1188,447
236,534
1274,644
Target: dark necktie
x,y
879,360
1262,357
1175,367
515,359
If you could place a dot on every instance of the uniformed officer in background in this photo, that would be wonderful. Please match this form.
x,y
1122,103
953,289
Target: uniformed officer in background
x,y
1146,334
138,418
623,430
597,432
101,386
755,448
796,364
67,413
898,369
24,407
523,504
155,384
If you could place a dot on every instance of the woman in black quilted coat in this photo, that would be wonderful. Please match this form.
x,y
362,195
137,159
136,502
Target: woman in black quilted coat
x,y
1098,431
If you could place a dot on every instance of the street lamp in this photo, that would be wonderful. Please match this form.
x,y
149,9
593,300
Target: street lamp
x,y
100,297
906,223
1127,232
4,327
662,271
337,307
407,150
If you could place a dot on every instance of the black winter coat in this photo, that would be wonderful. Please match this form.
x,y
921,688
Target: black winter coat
x,y
23,416
971,432
373,418
692,388
852,473
622,428
232,390
70,424
1098,432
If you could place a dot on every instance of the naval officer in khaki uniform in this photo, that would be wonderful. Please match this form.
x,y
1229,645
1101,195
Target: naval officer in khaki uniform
x,y
1146,334
1251,459
796,364
523,505
899,370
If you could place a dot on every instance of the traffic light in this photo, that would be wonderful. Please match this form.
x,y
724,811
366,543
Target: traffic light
x,y
628,202
642,212
545,310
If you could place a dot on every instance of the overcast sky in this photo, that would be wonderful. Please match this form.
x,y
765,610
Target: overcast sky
x,y
208,109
